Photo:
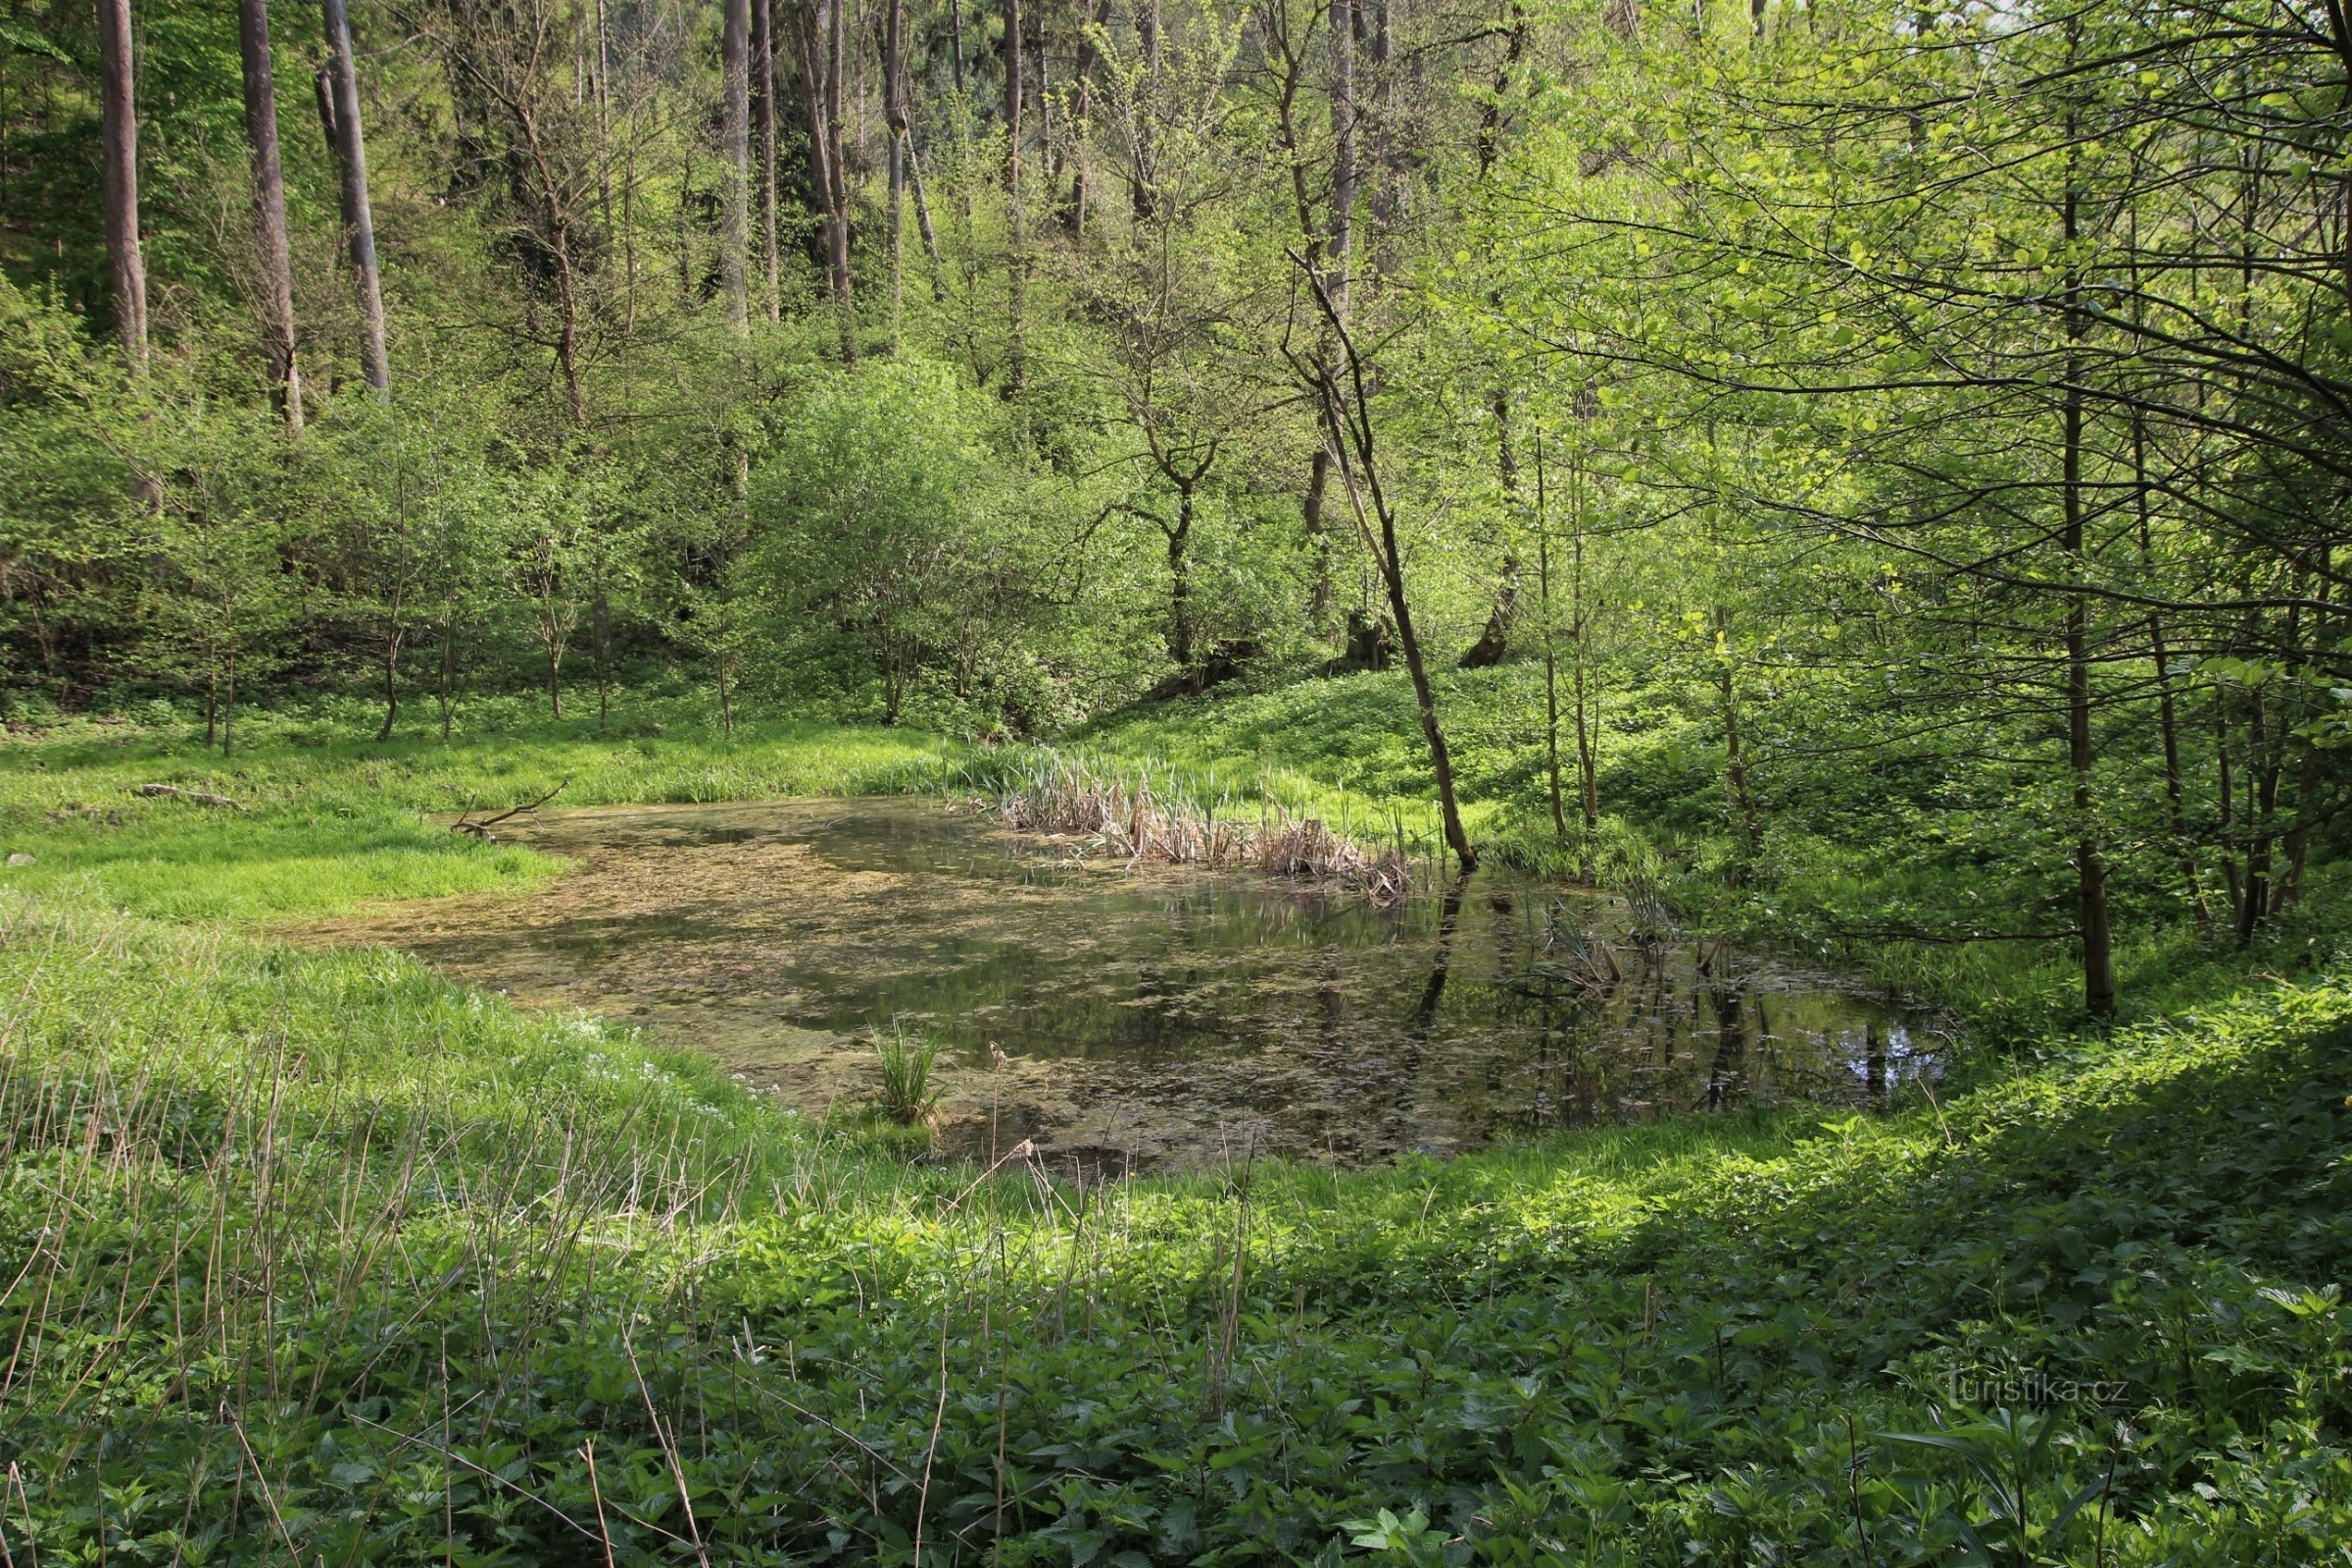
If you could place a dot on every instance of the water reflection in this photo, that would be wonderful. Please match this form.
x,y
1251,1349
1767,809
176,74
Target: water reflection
x,y
1148,1014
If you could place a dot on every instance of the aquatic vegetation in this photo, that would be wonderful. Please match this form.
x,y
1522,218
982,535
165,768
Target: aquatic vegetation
x,y
907,1093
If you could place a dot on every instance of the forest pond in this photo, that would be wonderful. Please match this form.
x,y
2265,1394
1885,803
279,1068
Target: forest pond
x,y
1151,1015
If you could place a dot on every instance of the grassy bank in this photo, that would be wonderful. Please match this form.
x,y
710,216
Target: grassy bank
x,y
317,1257
327,818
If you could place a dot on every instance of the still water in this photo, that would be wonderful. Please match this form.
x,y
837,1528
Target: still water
x,y
1147,1016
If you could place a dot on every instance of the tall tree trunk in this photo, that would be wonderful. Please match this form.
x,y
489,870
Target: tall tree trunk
x,y
359,218
816,28
1180,582
270,211
392,644
449,664
1494,640
2091,870
894,117
125,263
922,219
1551,673
1348,427
1345,25
734,208
836,123
762,84
1017,242
1318,537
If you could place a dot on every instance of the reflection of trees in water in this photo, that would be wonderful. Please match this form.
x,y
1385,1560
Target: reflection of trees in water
x,y
1459,1017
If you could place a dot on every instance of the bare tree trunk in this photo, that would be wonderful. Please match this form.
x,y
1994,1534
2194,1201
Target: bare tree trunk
x,y
734,219
894,115
762,80
270,211
1318,534
1016,260
2091,870
1180,583
449,664
1345,177
922,219
816,28
358,220
392,644
1082,109
836,73
127,265
1348,426
1495,641
1551,674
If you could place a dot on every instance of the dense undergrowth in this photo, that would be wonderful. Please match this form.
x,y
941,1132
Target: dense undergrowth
x,y
317,1257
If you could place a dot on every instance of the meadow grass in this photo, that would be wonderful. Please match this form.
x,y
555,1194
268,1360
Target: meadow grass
x,y
328,819
315,1256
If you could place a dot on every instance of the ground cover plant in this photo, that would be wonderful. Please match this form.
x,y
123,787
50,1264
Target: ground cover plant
x,y
317,1256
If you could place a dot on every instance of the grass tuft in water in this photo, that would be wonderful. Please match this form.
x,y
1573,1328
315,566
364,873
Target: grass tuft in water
x,y
908,1096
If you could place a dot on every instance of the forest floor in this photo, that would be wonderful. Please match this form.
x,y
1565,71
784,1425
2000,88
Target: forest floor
x,y
316,1255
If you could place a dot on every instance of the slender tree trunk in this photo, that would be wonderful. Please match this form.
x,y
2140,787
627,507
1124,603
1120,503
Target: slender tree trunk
x,y
270,211
228,699
1017,241
392,646
2091,870
836,75
816,26
1082,109
599,627
894,115
1318,535
1551,672
922,222
734,50
2262,802
1495,641
359,218
1347,422
762,76
127,265
449,666
1345,25
1180,583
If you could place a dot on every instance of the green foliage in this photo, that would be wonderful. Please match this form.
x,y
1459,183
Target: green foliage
x,y
908,1095
2079,1315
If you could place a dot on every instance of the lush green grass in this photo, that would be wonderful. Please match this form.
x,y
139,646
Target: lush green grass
x,y
320,1257
329,820
316,1256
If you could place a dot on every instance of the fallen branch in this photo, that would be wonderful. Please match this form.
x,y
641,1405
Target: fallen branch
x,y
193,796
482,830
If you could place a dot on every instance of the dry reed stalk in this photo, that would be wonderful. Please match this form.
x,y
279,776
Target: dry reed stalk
x,y
1128,818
